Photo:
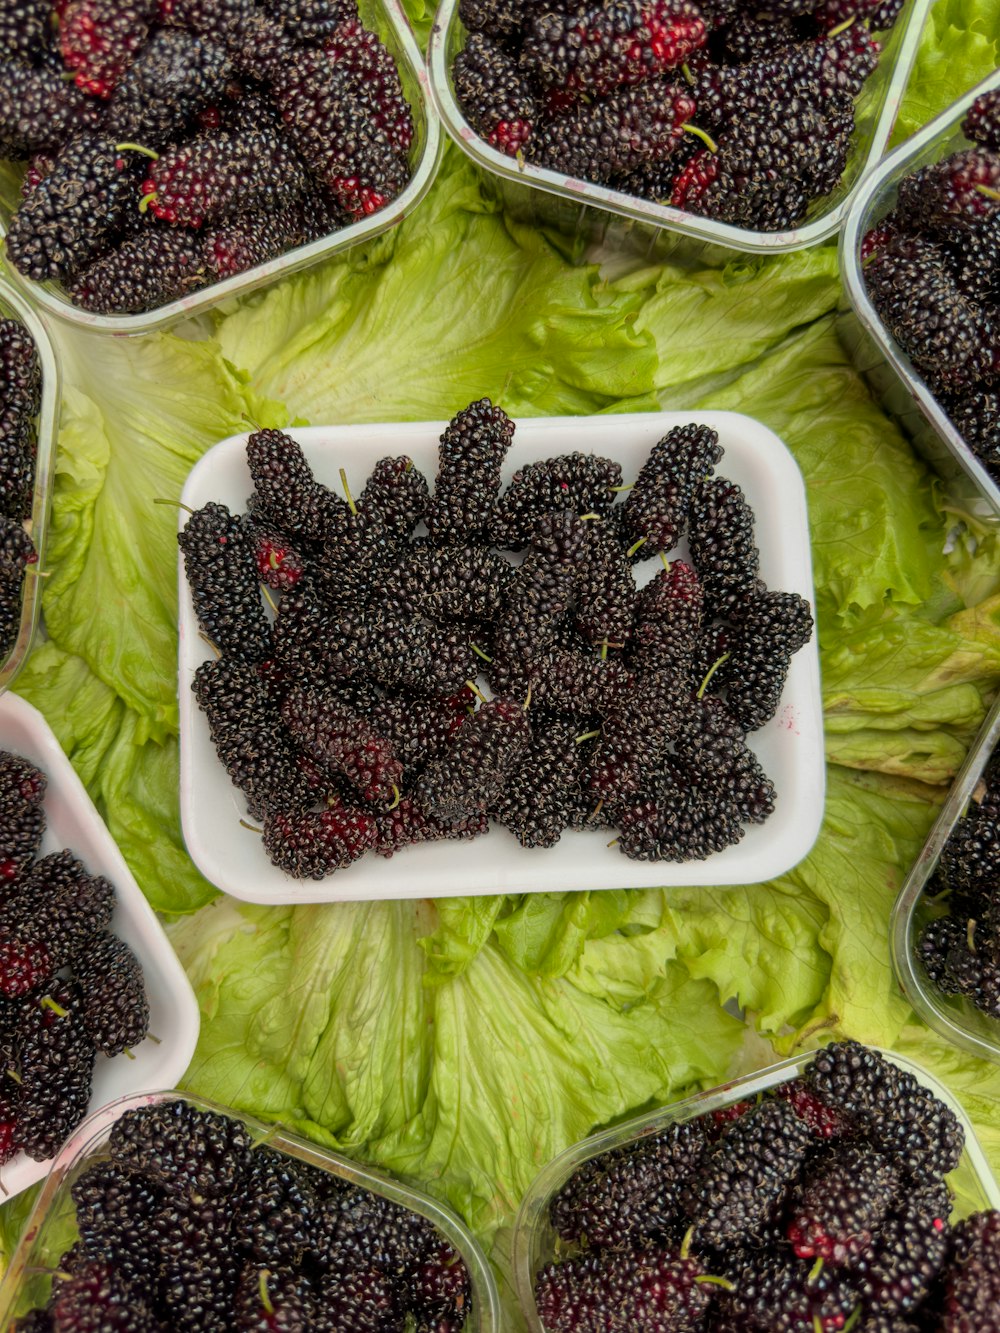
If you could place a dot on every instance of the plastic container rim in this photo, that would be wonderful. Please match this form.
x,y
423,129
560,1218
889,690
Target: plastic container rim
x,y
665,216
920,993
424,171
92,1133
554,1174
858,220
47,430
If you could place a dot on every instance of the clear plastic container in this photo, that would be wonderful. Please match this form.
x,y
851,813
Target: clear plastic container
x,y
536,1243
888,370
593,213
51,1228
388,19
14,306
71,820
951,1015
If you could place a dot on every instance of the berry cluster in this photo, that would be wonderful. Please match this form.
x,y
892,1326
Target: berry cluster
x,y
20,399
173,143
960,950
820,1206
932,269
187,1224
705,105
350,721
70,988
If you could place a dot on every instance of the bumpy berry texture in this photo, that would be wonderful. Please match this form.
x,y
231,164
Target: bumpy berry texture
x,y
353,154
470,775
289,495
921,305
221,572
56,1067
970,1296
471,455
339,740
209,179
313,845
66,221
583,483
982,120
252,747
24,26
499,103
593,48
656,509
176,75
186,1151
115,1007
142,274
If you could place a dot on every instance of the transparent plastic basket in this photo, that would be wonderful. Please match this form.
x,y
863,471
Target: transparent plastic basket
x,y
595,213
952,1015
536,1243
14,306
51,1228
886,367
388,19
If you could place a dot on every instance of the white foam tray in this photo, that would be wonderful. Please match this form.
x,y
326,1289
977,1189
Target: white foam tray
x,y
72,821
790,746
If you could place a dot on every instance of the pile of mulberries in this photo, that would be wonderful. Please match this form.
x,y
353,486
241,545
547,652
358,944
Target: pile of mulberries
x,y
70,990
932,270
960,950
437,658
705,105
20,400
170,144
822,1205
184,1222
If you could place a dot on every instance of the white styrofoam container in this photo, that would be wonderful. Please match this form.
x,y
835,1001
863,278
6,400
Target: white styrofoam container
x,y
71,821
790,746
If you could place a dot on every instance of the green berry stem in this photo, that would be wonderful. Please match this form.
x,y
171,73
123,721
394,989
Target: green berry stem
x,y
712,670
265,1299
707,139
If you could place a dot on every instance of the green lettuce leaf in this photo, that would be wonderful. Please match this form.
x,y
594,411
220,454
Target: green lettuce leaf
x,y
469,306
322,1017
960,46
132,778
136,415
870,511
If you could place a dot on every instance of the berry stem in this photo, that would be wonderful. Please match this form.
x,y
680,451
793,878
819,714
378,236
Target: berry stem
x,y
815,1271
268,598
347,491
614,842
988,192
252,827
619,489
396,798
970,935
265,1299
716,1281
527,700
477,691
47,1002
585,517
146,200
12,1073
707,139
479,652
666,562
842,27
178,504
587,736
635,546
129,1053
688,1238
688,76
817,1324
854,1318
712,670
137,148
